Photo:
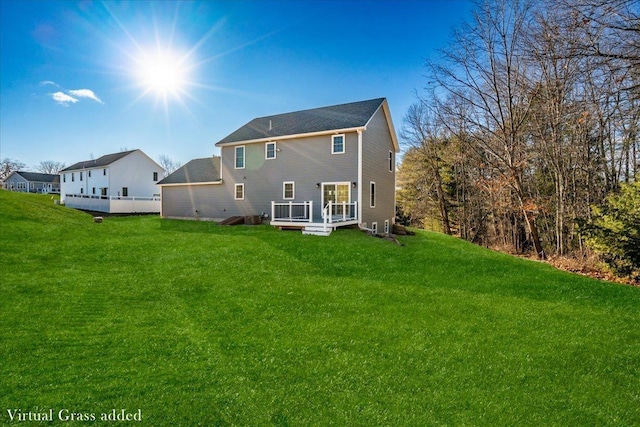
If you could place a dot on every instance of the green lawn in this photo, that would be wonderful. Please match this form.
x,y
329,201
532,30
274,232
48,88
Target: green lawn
x,y
196,324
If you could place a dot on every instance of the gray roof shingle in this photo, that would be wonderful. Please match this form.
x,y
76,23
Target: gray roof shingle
x,y
39,177
195,171
105,160
343,116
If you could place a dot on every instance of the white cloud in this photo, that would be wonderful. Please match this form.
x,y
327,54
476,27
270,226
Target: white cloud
x,y
85,93
63,99
48,82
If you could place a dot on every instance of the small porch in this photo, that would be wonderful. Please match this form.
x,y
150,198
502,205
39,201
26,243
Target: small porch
x,y
300,215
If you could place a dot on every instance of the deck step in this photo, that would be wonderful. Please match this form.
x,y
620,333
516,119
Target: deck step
x,y
317,231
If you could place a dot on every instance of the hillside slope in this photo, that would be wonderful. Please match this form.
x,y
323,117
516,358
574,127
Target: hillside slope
x,y
197,324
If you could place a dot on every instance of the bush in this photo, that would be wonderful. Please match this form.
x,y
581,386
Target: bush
x,y
614,230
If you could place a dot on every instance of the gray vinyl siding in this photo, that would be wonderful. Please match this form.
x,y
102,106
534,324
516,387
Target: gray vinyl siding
x,y
12,183
195,202
304,161
376,144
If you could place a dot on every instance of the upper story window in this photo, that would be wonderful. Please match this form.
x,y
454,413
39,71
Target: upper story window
x,y
89,174
270,150
155,176
73,176
80,176
64,177
390,161
240,157
104,172
337,144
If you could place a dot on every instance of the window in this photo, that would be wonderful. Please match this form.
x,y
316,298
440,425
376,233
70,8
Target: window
x,y
93,190
239,191
80,176
125,192
82,191
240,157
372,201
64,177
155,176
104,172
390,161
386,226
103,191
73,176
337,144
288,190
89,174
374,227
270,150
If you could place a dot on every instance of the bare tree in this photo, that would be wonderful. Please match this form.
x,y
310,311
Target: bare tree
x,y
169,165
9,165
50,167
485,70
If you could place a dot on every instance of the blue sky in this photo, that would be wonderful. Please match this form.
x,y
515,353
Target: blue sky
x,y
79,79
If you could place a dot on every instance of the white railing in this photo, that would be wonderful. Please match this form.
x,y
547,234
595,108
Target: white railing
x,y
113,204
339,212
292,212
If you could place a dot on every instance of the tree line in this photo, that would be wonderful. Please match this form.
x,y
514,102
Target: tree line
x,y
529,121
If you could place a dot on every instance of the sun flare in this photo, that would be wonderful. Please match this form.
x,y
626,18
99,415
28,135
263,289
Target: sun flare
x,y
162,72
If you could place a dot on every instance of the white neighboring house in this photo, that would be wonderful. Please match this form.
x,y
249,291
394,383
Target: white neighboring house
x,y
114,183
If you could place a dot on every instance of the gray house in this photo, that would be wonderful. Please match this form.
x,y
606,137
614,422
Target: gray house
x,y
32,182
315,169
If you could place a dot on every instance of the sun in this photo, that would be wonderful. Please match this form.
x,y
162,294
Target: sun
x,y
162,72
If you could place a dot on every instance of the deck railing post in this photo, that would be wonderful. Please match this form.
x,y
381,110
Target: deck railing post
x,y
273,210
311,211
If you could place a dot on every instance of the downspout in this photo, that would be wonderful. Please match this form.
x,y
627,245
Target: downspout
x,y
359,176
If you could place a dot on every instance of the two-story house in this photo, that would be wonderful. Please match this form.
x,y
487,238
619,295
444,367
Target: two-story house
x,y
315,169
124,182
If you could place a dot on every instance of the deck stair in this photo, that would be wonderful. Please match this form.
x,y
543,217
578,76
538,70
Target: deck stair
x,y
317,230
233,220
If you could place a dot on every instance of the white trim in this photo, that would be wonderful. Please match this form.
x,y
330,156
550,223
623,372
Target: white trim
x,y
360,175
266,150
373,196
284,190
374,227
177,184
344,144
235,192
392,161
293,136
386,226
244,157
392,129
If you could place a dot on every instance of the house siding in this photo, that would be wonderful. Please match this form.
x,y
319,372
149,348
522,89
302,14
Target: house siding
x,y
208,202
304,161
376,144
16,183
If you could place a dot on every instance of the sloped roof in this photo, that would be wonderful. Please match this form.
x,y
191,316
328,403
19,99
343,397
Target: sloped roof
x,y
195,171
105,160
335,117
39,177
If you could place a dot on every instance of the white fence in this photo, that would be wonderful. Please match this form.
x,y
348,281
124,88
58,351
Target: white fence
x,y
113,204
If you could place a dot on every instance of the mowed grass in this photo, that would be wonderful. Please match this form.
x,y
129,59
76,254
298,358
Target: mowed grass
x,y
197,324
